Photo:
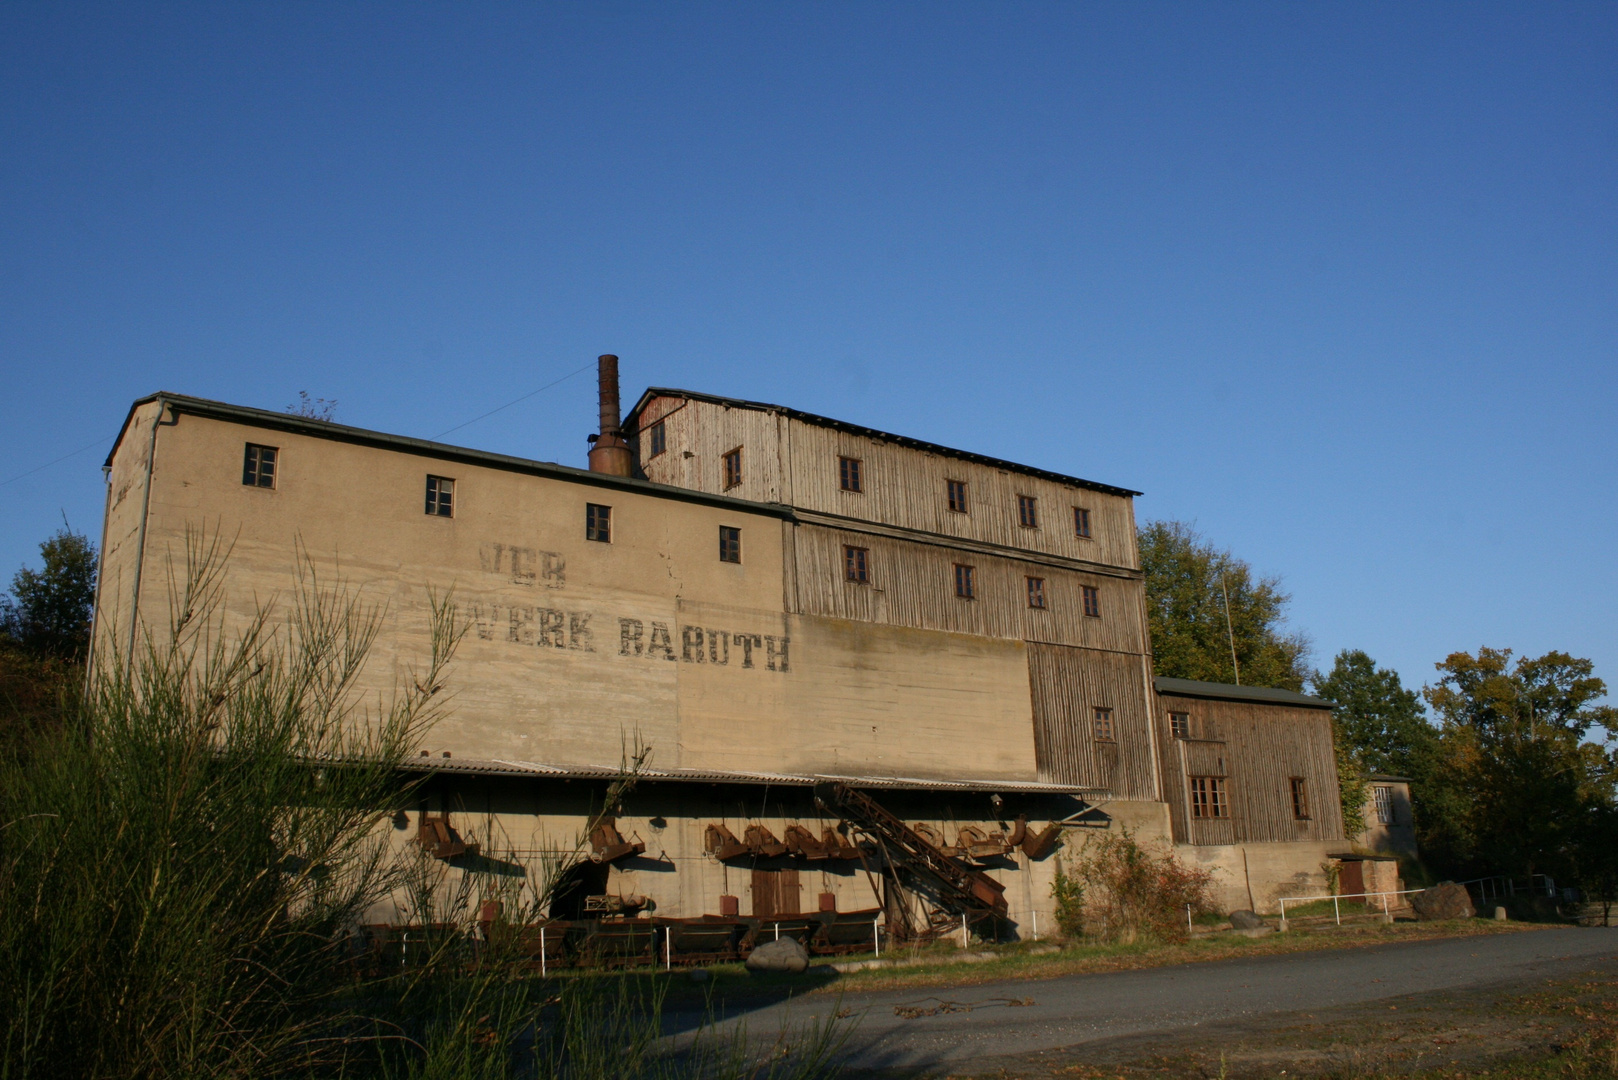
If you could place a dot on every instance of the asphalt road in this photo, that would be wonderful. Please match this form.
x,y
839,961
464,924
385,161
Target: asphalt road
x,y
909,1029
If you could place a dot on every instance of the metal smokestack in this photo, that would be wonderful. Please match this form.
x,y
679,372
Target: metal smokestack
x,y
609,453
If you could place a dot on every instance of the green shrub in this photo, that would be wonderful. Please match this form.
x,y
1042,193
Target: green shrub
x,y
1068,892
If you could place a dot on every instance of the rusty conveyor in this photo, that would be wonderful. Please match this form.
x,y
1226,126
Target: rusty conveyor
x,y
971,893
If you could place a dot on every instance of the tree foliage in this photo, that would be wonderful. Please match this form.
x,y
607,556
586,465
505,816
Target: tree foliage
x,y
1187,582
48,611
1379,727
1519,785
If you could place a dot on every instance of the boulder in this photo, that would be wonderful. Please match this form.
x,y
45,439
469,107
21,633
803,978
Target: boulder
x,y
784,954
1446,900
1245,920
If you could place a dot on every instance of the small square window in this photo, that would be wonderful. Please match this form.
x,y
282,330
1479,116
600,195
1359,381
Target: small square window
x,y
1208,797
957,496
1300,798
857,564
733,468
850,474
1036,592
1028,511
1081,522
963,582
598,523
258,466
1092,601
440,496
1180,725
730,544
657,440
1102,718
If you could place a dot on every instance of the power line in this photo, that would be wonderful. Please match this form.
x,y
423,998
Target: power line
x,y
517,401
48,464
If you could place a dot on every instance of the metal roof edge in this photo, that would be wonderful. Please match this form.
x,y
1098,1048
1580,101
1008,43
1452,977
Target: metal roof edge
x,y
1260,695
219,410
545,770
874,433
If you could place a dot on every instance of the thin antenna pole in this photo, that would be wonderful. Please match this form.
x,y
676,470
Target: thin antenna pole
x,y
1229,632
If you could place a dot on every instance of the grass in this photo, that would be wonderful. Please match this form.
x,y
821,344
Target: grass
x,y
941,965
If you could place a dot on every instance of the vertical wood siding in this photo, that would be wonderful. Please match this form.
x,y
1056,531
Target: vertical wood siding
x,y
795,462
907,488
1067,684
1258,748
913,584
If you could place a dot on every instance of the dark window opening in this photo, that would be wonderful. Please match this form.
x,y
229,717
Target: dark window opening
x,y
1180,725
1103,724
963,582
1300,798
733,468
850,474
857,564
258,466
1092,601
598,523
730,544
1036,592
1028,511
957,496
1081,522
440,496
1208,797
657,440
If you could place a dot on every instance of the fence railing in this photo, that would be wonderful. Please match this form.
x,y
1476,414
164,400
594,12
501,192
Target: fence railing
x,y
1501,887
1337,906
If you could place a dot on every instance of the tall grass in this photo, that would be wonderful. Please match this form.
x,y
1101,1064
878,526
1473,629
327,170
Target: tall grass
x,y
184,863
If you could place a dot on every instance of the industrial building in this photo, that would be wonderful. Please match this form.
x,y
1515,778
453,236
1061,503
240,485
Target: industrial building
x,y
875,675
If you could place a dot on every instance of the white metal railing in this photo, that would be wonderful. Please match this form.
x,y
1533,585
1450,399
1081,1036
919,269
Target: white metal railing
x,y
1499,886
1336,902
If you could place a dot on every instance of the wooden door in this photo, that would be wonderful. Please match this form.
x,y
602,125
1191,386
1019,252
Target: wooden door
x,y
775,892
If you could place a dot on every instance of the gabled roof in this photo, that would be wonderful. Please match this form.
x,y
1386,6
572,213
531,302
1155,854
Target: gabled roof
x,y
181,404
631,423
1259,695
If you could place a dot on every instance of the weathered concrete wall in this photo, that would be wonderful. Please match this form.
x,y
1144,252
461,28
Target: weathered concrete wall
x,y
576,645
1257,876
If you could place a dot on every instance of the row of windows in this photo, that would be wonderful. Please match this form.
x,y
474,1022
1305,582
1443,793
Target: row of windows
x,y
857,568
258,470
851,477
1209,798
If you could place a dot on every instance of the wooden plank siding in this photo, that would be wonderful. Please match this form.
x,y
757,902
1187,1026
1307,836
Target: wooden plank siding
x,y
791,461
913,584
1067,684
1258,748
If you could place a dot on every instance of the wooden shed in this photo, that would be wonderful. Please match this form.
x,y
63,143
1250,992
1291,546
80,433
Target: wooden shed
x,y
1244,764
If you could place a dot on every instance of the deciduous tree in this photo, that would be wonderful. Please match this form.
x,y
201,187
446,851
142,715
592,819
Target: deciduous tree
x,y
1188,581
48,611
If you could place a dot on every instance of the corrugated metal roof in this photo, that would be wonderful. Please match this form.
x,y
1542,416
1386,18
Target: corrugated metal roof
x,y
873,433
1262,695
500,767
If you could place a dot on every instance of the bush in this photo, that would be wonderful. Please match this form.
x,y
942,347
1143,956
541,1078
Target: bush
x,y
1130,892
1068,892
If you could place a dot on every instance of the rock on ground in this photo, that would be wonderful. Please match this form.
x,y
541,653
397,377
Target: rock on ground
x,y
785,954
1446,900
1245,920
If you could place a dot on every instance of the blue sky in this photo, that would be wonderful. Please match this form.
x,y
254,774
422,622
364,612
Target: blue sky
x,y
1338,283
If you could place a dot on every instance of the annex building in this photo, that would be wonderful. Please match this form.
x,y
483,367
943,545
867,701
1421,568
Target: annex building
x,y
876,675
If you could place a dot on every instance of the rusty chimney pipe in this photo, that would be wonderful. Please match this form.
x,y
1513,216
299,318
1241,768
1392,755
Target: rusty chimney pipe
x,y
609,453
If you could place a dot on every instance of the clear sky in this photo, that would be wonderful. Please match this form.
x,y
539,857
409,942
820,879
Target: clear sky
x,y
1336,282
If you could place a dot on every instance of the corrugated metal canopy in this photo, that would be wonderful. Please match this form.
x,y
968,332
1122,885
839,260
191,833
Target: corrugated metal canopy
x,y
542,770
